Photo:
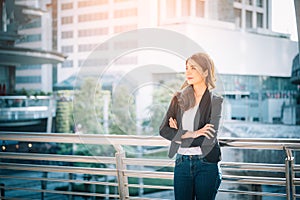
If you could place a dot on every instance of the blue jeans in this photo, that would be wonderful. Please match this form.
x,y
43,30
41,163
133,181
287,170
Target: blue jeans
x,y
194,177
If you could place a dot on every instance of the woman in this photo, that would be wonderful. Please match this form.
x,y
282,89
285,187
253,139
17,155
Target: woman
x,y
191,124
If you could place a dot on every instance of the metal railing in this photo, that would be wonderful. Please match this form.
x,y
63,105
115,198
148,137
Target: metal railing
x,y
120,166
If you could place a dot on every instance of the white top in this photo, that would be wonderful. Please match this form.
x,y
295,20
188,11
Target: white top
x,y
188,124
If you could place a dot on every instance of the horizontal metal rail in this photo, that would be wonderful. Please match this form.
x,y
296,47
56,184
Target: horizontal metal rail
x,y
53,157
119,166
51,168
132,140
58,180
60,192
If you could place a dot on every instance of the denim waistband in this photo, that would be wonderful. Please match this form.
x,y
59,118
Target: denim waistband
x,y
189,157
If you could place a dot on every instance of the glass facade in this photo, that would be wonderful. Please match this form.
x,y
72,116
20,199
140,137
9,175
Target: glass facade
x,y
66,6
33,24
87,3
29,67
67,64
28,79
30,38
93,17
259,98
92,32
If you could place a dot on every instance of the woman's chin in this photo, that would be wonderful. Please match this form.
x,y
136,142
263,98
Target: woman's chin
x,y
190,82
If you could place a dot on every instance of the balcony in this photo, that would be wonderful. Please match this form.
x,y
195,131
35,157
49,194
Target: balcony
x,y
34,174
23,110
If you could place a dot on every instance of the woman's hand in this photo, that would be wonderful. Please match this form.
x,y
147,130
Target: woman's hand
x,y
173,123
207,131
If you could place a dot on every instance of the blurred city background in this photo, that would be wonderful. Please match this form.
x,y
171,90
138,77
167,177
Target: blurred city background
x,y
52,98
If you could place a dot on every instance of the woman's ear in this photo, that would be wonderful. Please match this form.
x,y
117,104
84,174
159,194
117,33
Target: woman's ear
x,y
205,74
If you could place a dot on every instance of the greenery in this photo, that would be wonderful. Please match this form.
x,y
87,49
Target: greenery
x,y
88,107
88,116
24,92
161,99
122,116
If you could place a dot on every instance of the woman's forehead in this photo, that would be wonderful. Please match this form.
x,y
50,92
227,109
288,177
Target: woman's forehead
x,y
191,62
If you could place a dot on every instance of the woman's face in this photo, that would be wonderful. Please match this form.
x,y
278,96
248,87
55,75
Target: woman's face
x,y
194,75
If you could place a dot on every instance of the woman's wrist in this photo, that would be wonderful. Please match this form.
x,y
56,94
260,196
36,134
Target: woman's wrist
x,y
188,134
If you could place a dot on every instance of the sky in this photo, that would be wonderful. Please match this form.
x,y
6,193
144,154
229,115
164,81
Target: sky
x,y
283,17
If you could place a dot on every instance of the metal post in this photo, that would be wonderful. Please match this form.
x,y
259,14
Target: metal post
x,y
106,188
93,187
2,191
289,174
70,187
43,185
122,179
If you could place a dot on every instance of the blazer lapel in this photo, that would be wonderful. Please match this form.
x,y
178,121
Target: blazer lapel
x,y
201,118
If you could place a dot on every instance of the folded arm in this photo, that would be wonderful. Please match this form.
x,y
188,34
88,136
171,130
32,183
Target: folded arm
x,y
165,130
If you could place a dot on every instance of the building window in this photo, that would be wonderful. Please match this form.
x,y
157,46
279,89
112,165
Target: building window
x,y
238,17
200,5
259,20
118,29
89,47
86,47
248,2
28,79
92,17
252,9
127,61
30,38
171,8
67,34
91,3
259,3
119,1
67,20
129,44
93,62
67,64
125,13
37,23
92,32
249,19
67,49
29,67
66,6
186,8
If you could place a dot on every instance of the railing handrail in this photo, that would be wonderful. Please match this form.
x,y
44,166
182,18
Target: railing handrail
x,y
120,161
135,140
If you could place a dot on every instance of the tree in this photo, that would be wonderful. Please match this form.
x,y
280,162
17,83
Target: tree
x,y
88,113
162,95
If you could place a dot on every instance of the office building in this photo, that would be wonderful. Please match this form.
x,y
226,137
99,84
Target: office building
x,y
253,62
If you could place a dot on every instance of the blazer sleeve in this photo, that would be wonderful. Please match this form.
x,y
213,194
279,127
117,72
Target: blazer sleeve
x,y
165,130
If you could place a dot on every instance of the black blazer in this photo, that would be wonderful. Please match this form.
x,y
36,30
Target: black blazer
x,y
209,111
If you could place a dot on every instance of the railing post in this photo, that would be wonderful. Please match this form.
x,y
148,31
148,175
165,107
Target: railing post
x,y
2,191
289,174
70,186
44,185
122,179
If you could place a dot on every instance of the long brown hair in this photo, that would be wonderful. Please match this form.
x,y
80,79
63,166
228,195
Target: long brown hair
x,y
186,98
